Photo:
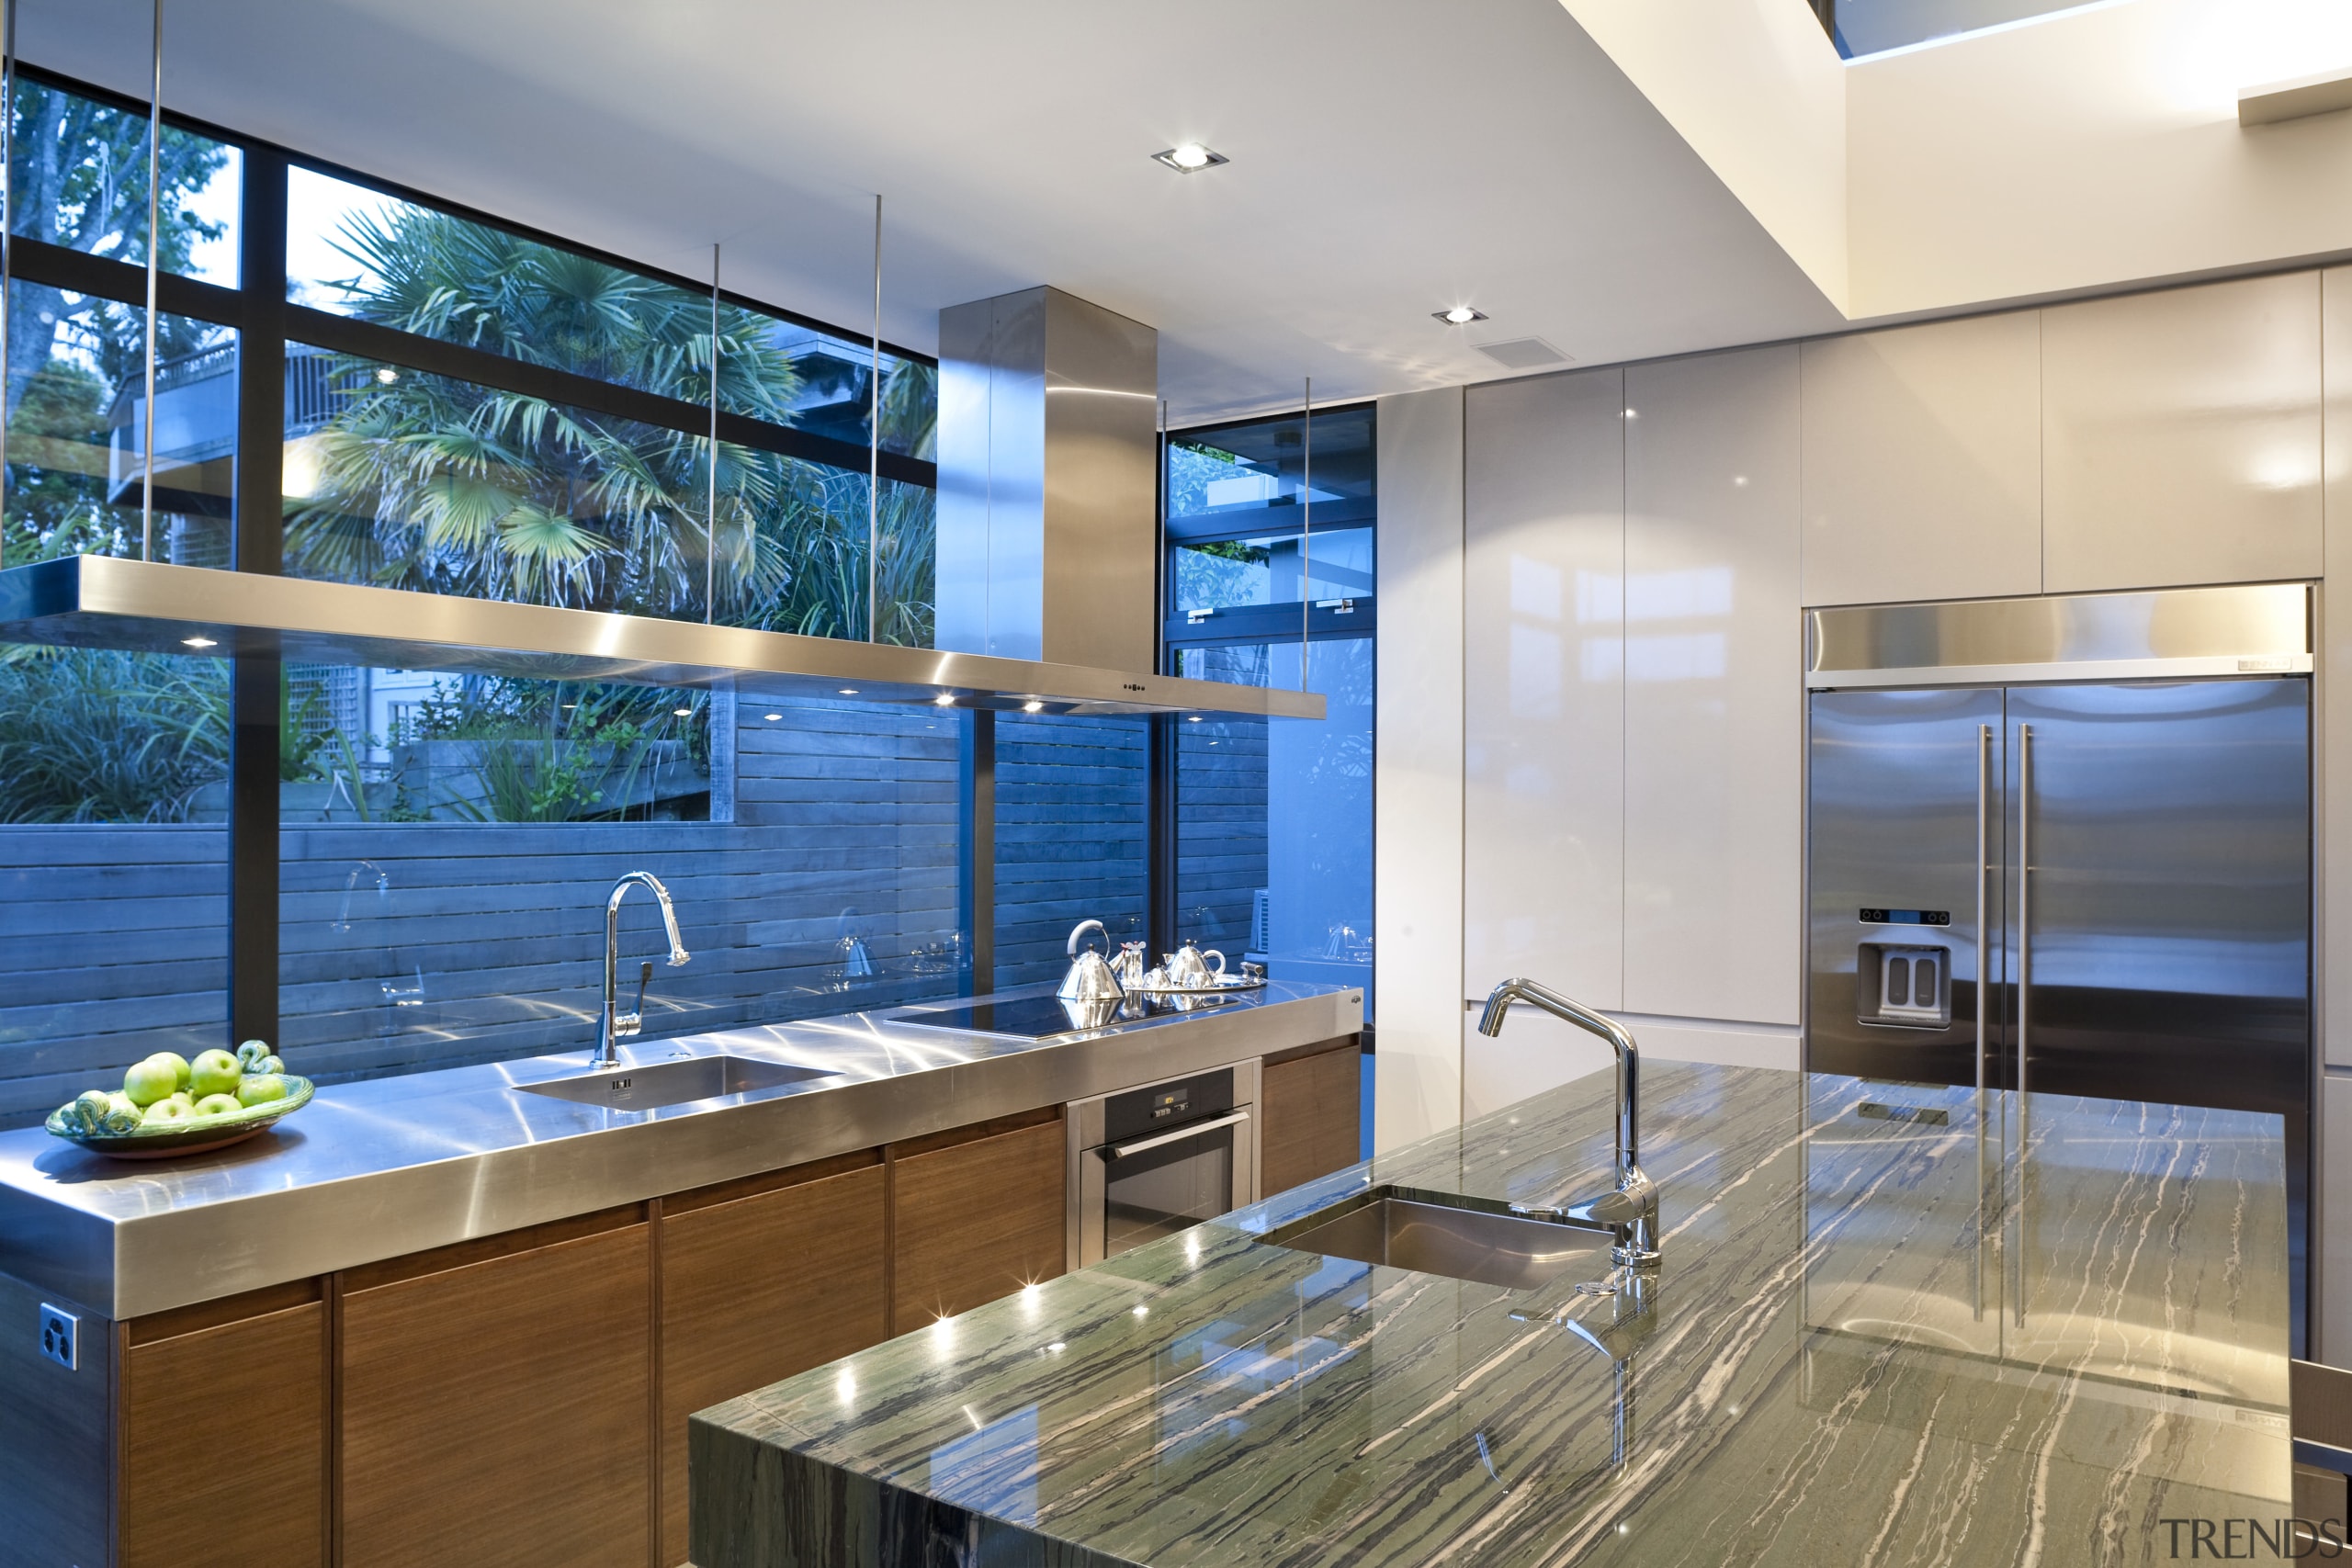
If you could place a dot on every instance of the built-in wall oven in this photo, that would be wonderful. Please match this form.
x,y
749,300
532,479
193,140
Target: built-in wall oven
x,y
1148,1162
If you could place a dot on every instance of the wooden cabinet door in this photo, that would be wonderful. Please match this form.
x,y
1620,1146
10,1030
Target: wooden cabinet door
x,y
497,1411
1310,1112
223,1441
974,1221
755,1289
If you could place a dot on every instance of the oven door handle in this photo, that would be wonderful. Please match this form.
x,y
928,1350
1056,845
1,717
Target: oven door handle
x,y
1121,1151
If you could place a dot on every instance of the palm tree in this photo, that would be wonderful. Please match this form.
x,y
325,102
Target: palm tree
x,y
443,486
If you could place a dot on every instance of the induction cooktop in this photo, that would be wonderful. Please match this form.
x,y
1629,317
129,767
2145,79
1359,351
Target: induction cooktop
x,y
1027,1018
1024,1018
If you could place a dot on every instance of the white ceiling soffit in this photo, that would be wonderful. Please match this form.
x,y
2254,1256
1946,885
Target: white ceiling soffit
x,y
2076,150
1390,158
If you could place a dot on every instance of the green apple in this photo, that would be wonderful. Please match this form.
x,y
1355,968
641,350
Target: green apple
x,y
150,1081
180,1069
213,1072
260,1089
165,1111
219,1105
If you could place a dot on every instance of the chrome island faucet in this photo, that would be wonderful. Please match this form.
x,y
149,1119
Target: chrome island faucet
x,y
1629,1210
618,1026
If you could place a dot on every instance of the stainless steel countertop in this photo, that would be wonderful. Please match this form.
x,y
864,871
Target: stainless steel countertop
x,y
394,1166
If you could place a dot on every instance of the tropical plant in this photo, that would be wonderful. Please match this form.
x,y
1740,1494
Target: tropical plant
x,y
429,483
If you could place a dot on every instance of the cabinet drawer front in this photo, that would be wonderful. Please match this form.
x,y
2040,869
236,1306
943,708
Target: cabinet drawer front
x,y
497,1411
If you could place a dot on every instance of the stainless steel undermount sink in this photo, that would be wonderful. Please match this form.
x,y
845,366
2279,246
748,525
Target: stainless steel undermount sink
x,y
671,1083
1442,1234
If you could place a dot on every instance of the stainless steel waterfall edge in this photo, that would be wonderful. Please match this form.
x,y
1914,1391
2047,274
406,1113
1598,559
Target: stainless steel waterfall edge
x,y
155,607
2174,633
395,1165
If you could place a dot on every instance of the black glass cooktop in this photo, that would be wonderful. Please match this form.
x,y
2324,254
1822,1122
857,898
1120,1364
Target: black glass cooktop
x,y
1024,1018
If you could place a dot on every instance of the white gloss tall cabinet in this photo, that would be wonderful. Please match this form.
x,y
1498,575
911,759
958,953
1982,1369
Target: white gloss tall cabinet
x,y
1592,594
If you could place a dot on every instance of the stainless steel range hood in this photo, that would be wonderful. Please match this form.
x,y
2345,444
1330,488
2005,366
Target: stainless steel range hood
x,y
149,607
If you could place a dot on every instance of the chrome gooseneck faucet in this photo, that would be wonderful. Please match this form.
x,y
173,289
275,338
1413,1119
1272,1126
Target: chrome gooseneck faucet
x,y
618,1026
1630,1210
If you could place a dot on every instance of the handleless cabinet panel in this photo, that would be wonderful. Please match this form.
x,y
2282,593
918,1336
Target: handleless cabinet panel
x,y
974,1222
756,1289
1713,701
499,1411
2335,729
1310,1108
223,1444
2181,436
1922,462
1544,629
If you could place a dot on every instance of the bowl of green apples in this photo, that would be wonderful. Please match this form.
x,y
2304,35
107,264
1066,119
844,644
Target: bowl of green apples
x,y
169,1105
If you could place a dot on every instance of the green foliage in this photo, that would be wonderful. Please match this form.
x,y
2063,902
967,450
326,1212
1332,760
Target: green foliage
x,y
92,735
443,486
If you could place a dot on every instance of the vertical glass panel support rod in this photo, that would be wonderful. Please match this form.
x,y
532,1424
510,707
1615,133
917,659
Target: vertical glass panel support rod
x,y
2025,993
710,504
874,449
154,256
8,228
1306,523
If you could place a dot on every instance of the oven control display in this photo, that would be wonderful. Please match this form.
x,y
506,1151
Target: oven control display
x,y
1172,1102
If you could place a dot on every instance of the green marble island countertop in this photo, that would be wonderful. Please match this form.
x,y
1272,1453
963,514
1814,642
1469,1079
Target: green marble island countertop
x,y
1894,1325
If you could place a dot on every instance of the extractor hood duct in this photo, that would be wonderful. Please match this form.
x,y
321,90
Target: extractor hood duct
x,y
1048,462
148,606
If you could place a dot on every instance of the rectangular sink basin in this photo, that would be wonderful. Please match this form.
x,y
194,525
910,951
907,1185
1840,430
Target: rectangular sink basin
x,y
1489,1247
671,1083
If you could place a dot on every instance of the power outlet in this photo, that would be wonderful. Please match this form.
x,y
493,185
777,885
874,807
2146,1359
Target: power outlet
x,y
60,1337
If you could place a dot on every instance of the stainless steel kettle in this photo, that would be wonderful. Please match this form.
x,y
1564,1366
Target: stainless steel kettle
x,y
1089,978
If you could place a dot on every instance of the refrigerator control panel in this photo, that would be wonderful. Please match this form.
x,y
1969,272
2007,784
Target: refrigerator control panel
x,y
1903,983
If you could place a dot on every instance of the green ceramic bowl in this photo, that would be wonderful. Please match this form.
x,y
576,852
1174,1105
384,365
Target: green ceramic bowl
x,y
190,1137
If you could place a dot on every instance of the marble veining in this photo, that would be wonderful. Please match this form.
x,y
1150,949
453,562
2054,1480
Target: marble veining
x,y
1894,1325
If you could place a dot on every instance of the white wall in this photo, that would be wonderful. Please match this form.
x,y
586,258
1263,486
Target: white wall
x,y
2089,150
1417,783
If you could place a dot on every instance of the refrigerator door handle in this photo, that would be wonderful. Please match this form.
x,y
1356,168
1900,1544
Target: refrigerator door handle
x,y
2025,991
1984,992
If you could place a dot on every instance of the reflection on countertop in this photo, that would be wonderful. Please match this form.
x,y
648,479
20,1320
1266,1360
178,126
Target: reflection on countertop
x,y
398,1164
1892,1325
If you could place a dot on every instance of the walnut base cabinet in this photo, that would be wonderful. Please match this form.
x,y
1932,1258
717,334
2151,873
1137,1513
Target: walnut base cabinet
x,y
1311,1101
974,1214
519,1399
762,1280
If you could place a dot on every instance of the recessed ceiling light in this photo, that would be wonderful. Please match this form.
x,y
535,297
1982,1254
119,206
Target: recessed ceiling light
x,y
1191,719
774,716
387,375
198,642
682,713
944,700
1190,158
1032,705
849,691
1460,316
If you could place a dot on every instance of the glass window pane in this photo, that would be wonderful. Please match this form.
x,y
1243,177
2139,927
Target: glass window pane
x,y
77,419
1286,802
448,843
405,480
1254,475
1070,838
359,252
1226,573
113,800
80,179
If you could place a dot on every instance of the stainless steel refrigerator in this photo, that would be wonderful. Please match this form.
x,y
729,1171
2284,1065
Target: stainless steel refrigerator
x,y
2064,845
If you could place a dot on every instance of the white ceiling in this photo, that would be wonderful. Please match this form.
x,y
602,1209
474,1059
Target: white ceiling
x,y
1390,158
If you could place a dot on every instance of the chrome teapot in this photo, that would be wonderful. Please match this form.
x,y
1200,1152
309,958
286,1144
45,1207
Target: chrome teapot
x,y
1090,979
1189,970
